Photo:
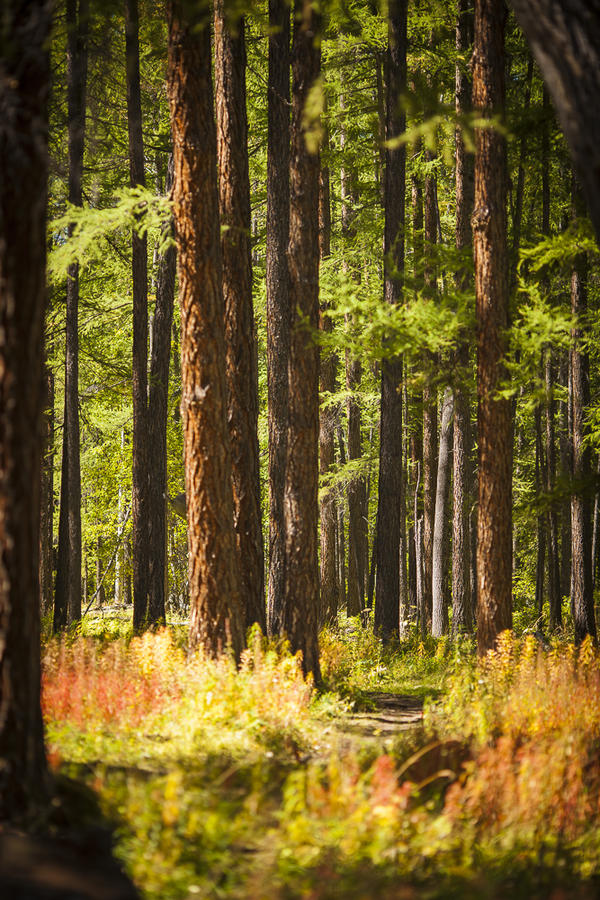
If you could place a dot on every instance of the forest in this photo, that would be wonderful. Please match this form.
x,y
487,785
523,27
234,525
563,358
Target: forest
x,y
299,449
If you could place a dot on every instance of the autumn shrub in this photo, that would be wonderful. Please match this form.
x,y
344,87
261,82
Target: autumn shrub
x,y
533,720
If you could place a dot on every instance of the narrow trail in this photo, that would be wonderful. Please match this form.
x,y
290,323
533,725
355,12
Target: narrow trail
x,y
391,715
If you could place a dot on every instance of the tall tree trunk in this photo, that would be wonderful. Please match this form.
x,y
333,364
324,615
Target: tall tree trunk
x,y
67,599
439,620
415,562
462,487
139,264
566,473
157,426
24,87
494,538
301,504
217,613
356,490
278,296
390,447
540,481
554,595
240,334
329,587
582,599
47,495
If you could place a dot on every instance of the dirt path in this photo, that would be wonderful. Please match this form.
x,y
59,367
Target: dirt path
x,y
391,714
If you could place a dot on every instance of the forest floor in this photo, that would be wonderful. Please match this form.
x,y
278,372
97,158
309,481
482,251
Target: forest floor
x,y
414,772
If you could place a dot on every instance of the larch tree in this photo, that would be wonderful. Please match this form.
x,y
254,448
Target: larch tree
x,y
240,335
390,453
24,87
494,535
158,390
461,588
139,266
217,615
278,296
439,615
582,595
67,599
301,595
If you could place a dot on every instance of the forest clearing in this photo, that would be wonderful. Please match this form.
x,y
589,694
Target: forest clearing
x,y
299,449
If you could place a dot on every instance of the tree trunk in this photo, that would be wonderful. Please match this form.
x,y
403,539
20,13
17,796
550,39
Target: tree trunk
x,y
390,448
329,588
439,620
564,36
47,495
240,335
462,486
157,426
24,87
278,296
582,599
67,599
494,539
139,265
301,503
217,613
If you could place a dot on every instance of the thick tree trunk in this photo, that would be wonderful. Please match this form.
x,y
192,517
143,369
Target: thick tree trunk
x,y
564,36
494,538
462,486
301,503
278,296
157,427
390,447
24,87
139,264
240,334
582,599
439,620
217,613
67,600
329,587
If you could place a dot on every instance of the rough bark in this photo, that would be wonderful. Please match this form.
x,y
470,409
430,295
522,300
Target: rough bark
x,y
462,486
67,599
278,298
24,85
494,539
390,446
564,36
301,503
240,334
217,614
157,426
139,268
582,598
439,619
415,424
329,587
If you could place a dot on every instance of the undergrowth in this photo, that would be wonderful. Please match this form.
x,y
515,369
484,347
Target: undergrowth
x,y
230,783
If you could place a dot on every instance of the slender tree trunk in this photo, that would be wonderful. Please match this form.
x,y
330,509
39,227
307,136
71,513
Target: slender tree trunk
x,y
356,490
301,504
494,538
439,621
157,426
240,334
416,423
566,473
67,599
278,296
462,486
139,262
329,587
582,599
390,447
217,613
47,495
540,481
554,595
24,88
